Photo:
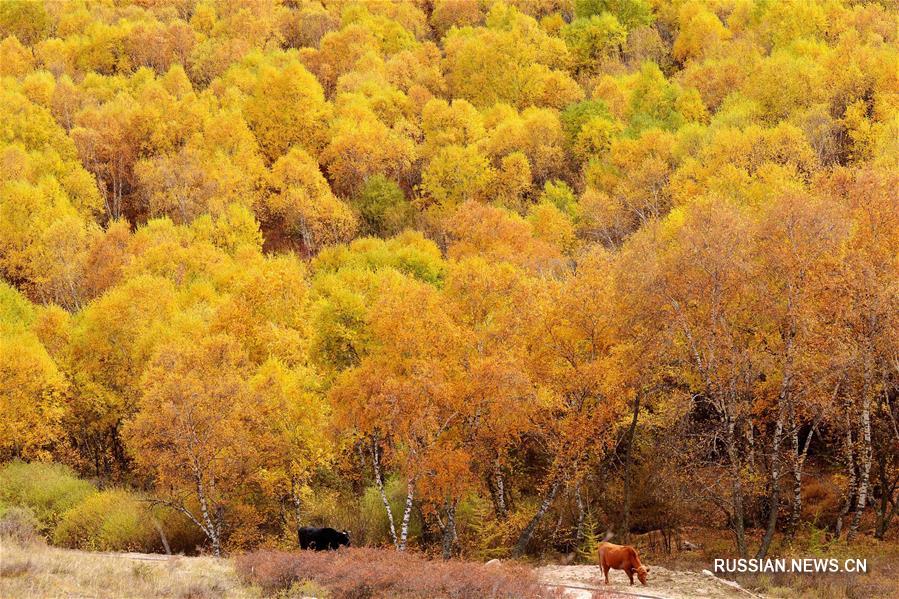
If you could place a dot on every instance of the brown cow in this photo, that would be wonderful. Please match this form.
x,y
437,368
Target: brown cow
x,y
621,557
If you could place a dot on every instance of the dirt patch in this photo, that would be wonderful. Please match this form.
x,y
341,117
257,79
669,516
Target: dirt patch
x,y
580,582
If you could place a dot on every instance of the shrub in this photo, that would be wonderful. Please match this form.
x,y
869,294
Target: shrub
x,y
111,520
18,524
48,490
587,551
482,535
358,573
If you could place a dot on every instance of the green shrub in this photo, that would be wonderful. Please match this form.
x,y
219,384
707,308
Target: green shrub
x,y
587,552
484,536
382,206
48,490
113,520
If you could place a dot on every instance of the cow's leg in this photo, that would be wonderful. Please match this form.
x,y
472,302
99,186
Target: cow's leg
x,y
605,571
630,575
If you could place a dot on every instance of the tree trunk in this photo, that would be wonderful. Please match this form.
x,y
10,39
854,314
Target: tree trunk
x,y
796,503
774,492
888,506
297,505
849,458
733,454
379,480
407,512
496,484
449,530
750,440
212,527
886,515
501,509
217,545
162,537
798,463
864,454
525,536
800,454
626,510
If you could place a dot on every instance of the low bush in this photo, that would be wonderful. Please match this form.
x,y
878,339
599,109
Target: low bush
x,y
48,490
19,525
49,500
372,573
111,520
486,536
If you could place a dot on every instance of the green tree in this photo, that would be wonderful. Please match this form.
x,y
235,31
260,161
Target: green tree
x,y
382,206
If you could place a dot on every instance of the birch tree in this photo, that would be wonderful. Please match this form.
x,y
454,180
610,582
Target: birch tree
x,y
200,433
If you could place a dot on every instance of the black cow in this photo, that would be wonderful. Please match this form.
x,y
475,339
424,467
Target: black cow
x,y
321,539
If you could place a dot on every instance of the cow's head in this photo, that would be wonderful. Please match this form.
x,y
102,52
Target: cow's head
x,y
345,538
641,574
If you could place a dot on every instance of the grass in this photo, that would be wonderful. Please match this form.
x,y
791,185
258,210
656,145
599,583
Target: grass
x,y
36,570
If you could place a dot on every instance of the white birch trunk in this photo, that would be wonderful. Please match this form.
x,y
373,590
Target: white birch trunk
x,y
407,513
379,480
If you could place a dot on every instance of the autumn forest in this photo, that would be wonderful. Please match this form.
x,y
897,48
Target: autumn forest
x,y
472,278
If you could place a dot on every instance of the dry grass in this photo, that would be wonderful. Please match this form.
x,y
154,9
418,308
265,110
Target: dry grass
x,y
39,571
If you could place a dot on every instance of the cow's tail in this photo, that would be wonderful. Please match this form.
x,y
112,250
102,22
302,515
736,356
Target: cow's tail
x,y
609,534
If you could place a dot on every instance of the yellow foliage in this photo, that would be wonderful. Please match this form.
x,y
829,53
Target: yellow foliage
x,y
32,390
286,106
303,202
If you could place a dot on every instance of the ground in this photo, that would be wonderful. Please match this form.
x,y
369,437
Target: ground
x,y
581,581
38,571
41,571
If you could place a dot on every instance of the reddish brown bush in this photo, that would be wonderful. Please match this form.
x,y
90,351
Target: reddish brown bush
x,y
361,573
